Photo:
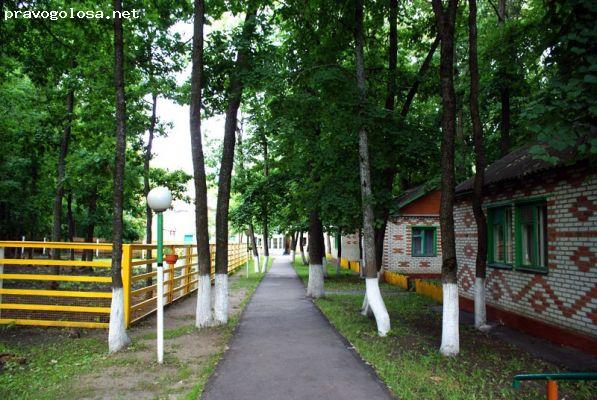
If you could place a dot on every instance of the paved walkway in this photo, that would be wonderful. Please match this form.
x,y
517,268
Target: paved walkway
x,y
285,349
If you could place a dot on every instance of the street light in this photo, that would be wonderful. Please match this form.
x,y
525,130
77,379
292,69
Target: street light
x,y
159,200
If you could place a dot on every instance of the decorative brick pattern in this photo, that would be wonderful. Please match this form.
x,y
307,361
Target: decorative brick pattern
x,y
398,249
350,247
567,295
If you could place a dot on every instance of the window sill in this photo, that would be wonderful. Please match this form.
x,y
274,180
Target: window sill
x,y
531,270
424,255
500,266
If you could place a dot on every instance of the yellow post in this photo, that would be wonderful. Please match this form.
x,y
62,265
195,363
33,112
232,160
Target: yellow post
x,y
127,259
170,283
189,261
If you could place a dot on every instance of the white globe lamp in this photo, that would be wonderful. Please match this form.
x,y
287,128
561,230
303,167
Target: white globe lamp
x,y
159,199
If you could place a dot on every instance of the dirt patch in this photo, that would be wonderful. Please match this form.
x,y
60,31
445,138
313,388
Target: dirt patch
x,y
135,374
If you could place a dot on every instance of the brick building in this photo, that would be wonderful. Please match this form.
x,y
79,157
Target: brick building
x,y
412,241
542,247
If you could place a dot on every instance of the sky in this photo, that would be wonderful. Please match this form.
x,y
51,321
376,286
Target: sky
x,y
174,151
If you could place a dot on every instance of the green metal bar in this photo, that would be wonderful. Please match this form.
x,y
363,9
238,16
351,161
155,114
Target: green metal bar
x,y
160,257
555,376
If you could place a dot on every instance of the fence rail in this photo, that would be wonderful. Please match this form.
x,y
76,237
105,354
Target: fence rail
x,y
42,284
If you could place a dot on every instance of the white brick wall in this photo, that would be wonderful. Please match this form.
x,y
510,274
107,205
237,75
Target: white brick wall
x,y
397,247
567,295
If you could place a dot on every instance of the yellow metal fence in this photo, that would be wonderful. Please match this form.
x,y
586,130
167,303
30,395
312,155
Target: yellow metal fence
x,y
73,289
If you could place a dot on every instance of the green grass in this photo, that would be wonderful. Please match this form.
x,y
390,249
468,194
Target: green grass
x,y
47,367
408,360
42,369
346,280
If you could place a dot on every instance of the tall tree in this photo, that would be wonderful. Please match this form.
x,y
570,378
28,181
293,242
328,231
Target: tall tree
x,y
504,89
480,263
117,336
60,176
146,162
302,248
203,313
316,254
234,91
373,294
265,205
445,18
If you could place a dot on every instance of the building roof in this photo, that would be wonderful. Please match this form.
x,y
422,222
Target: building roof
x,y
519,164
410,199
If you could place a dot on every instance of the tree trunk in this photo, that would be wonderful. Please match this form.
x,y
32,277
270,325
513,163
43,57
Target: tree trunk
x,y
148,211
117,336
71,221
90,228
60,176
265,207
203,314
373,294
388,174
302,248
286,244
445,20
480,265
339,260
504,91
293,242
254,248
265,245
316,253
324,260
234,99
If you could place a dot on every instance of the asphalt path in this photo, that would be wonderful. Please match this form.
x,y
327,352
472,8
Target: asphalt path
x,y
284,348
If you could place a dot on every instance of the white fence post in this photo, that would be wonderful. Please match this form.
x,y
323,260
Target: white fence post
x,y
97,250
160,315
44,250
22,248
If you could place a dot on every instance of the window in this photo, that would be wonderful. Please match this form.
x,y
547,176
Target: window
x,y
424,241
531,236
499,229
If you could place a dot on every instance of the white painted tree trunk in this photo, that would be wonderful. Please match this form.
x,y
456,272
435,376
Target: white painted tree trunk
x,y
256,266
366,311
203,314
324,266
480,307
315,285
292,256
221,299
117,336
265,263
338,267
377,305
450,323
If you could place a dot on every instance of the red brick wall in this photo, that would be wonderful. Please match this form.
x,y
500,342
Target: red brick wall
x,y
566,296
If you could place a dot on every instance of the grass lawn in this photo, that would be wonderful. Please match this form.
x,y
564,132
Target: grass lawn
x,y
408,359
38,363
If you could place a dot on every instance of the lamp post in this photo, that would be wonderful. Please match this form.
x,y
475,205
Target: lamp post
x,y
159,200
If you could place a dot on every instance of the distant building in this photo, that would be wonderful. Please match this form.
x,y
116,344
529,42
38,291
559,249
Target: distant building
x,y
412,244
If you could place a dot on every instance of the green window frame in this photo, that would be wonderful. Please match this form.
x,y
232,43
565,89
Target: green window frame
x,y
531,236
499,232
517,235
426,237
